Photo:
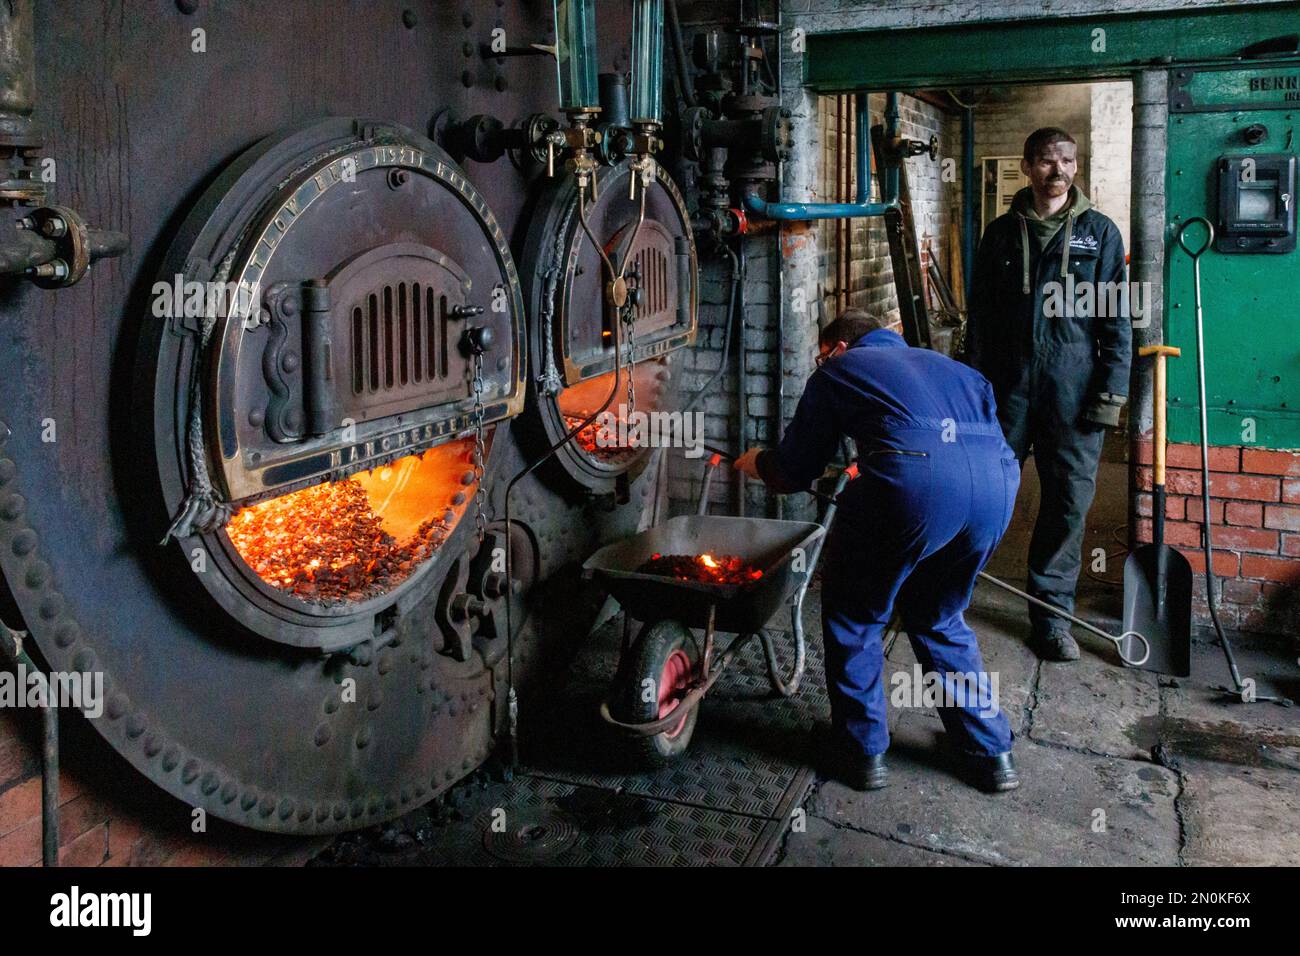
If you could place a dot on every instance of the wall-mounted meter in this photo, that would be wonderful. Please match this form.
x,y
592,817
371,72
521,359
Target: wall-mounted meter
x,y
1257,203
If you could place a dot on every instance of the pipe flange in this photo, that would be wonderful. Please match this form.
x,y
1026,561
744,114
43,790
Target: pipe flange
x,y
69,232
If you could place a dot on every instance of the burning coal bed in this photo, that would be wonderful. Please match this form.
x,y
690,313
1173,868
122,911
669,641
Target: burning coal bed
x,y
702,568
351,540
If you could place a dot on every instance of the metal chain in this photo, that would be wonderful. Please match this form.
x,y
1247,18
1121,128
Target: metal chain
x,y
480,520
631,359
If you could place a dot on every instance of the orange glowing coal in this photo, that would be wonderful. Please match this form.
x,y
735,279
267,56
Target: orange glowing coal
x,y
354,539
705,568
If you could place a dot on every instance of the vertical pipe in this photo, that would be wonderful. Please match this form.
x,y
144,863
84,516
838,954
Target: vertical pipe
x,y
50,780
1147,259
17,68
778,386
742,400
973,186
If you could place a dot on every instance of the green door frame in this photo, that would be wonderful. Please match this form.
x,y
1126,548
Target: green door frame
x,y
1042,50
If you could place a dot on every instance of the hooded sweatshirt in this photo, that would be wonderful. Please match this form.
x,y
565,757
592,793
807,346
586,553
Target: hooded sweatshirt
x,y
1038,231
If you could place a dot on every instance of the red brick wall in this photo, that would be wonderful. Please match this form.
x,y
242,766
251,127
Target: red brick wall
x,y
1254,525
110,815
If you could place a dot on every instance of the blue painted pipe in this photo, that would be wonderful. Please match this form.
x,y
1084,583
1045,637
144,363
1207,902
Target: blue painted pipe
x,y
844,210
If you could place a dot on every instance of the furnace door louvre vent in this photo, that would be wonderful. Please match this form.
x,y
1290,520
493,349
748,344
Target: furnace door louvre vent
x,y
402,312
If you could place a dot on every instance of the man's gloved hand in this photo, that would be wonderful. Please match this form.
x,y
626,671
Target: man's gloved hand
x,y
1104,409
748,463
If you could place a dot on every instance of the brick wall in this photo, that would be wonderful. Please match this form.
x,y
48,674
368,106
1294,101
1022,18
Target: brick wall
x,y
935,204
1254,526
109,814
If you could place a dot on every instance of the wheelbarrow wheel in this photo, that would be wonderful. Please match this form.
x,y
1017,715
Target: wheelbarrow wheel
x,y
655,675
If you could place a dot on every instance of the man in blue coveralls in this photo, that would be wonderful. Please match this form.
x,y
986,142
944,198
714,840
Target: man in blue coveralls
x,y
936,489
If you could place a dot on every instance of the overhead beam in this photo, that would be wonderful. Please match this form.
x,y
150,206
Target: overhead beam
x,y
1059,48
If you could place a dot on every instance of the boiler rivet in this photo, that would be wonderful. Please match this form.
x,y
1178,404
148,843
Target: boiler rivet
x,y
66,635
84,660
208,785
266,806
363,738
187,6
256,417
170,759
229,791
322,735
51,607
37,575
136,725
289,306
117,706
467,79
409,19
501,84
467,49
7,471
152,745
290,361
24,542
12,508
286,808
467,18
190,771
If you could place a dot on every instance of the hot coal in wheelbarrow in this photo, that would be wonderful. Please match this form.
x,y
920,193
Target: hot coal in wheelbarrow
x,y
665,671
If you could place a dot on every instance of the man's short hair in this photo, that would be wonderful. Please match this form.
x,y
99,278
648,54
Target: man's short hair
x,y
850,326
1040,139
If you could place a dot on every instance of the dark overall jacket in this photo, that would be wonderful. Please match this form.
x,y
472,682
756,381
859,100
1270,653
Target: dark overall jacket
x,y
1051,331
1070,359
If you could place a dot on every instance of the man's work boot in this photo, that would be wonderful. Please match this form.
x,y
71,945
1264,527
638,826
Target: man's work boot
x,y
1052,641
844,760
995,774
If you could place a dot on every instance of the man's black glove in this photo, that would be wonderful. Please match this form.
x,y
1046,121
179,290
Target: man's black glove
x,y
1104,409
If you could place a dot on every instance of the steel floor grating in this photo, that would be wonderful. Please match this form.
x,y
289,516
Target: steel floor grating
x,y
726,802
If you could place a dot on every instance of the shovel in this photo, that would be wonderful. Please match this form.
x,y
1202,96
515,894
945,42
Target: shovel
x,y
1158,579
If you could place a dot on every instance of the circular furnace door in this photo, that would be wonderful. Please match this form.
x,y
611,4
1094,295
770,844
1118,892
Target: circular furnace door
x,y
345,330
588,355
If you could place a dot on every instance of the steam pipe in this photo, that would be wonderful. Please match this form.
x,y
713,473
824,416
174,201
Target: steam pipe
x,y
890,180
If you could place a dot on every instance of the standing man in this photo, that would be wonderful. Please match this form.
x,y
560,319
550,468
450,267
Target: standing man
x,y
934,496
1049,328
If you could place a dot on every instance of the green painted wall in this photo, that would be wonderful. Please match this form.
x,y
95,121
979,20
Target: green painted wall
x,y
1251,302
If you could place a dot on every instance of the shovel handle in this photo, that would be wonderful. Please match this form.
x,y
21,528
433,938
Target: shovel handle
x,y
1159,392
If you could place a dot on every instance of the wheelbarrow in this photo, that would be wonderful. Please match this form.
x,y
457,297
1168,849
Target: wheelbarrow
x,y
666,670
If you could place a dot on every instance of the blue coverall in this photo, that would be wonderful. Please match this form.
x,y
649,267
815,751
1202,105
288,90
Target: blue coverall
x,y
935,494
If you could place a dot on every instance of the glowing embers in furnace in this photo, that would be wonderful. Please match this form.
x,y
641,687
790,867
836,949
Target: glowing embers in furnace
x,y
624,430
351,540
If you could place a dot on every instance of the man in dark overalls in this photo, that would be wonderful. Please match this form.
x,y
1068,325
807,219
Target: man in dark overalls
x,y
936,488
1049,330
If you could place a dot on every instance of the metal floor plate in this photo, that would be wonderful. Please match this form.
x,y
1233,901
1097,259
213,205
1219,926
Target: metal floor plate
x,y
726,802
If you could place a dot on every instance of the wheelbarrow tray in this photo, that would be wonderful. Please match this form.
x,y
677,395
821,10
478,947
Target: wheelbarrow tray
x,y
767,544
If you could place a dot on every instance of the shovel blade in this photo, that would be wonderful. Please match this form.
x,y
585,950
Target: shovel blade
x,y
1159,610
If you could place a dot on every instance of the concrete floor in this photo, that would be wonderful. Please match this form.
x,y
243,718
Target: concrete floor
x,y
1119,767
